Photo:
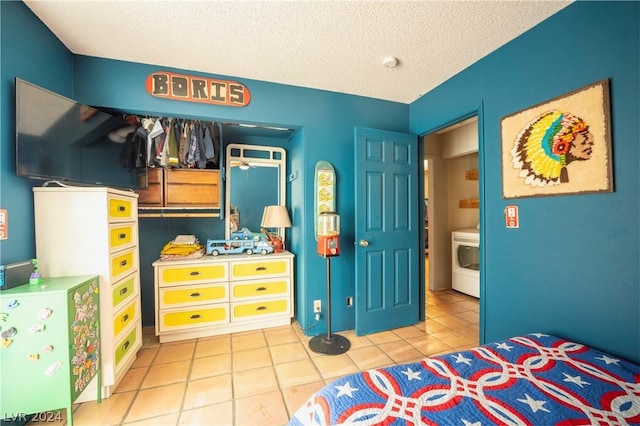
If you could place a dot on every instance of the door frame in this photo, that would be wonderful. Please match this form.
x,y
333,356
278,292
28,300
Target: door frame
x,y
479,112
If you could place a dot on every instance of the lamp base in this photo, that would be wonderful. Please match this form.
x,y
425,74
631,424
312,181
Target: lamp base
x,y
334,345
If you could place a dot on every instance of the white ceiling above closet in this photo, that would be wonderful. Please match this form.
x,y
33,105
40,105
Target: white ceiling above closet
x,y
331,45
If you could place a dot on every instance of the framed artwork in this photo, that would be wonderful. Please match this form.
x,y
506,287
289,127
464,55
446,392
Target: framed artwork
x,y
558,147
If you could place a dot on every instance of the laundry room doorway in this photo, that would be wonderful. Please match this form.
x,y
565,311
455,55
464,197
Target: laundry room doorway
x,y
451,189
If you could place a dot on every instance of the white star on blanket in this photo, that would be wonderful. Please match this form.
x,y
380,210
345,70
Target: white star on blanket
x,y
504,346
608,360
461,359
539,335
534,404
346,389
411,374
574,379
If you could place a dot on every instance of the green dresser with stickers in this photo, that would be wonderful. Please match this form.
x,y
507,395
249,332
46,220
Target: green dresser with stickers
x,y
50,346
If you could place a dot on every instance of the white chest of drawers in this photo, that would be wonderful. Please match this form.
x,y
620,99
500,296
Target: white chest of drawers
x,y
94,230
223,294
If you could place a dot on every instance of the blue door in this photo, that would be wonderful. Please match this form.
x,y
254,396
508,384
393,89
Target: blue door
x,y
387,233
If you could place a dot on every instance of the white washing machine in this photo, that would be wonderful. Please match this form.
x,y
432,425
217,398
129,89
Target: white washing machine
x,y
465,259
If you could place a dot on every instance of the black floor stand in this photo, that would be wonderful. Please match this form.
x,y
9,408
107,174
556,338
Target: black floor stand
x,y
331,344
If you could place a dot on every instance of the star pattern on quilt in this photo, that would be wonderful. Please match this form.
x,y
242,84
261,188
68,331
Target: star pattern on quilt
x,y
461,359
539,335
608,360
534,404
411,375
504,346
545,380
574,379
346,389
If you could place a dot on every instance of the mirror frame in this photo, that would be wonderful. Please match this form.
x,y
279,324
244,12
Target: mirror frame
x,y
268,157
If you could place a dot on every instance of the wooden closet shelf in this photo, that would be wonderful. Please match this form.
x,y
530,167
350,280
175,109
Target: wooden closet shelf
x,y
471,203
471,174
185,214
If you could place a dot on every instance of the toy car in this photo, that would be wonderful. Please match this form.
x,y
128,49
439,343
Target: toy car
x,y
243,234
264,247
216,247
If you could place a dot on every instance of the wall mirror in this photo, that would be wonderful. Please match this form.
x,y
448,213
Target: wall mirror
x,y
256,177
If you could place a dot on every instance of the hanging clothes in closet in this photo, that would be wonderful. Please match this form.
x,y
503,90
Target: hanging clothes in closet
x,y
182,143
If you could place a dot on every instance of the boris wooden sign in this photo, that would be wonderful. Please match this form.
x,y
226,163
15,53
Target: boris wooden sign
x,y
197,89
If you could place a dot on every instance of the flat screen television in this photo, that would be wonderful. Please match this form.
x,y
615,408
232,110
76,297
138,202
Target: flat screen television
x,y
59,139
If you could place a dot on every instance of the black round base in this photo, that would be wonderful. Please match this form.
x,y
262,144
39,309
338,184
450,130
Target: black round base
x,y
334,345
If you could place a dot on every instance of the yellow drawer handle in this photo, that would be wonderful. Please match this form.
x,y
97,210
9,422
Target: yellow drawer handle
x,y
122,236
261,308
261,268
196,316
194,273
121,208
125,346
123,263
124,290
125,318
195,295
261,289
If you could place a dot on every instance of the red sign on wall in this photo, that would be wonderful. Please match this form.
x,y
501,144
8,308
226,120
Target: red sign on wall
x,y
511,216
4,224
197,89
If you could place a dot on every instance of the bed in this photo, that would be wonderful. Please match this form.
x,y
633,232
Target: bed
x,y
534,379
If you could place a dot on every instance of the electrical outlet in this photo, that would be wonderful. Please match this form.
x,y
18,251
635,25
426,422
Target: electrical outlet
x,y
317,305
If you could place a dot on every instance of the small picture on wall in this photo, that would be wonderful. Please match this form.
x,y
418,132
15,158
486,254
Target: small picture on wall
x,y
561,146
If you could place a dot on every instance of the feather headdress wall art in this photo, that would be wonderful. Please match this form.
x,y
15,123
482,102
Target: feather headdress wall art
x,y
561,146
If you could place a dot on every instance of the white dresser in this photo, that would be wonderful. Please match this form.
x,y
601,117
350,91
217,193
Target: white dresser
x,y
222,294
94,230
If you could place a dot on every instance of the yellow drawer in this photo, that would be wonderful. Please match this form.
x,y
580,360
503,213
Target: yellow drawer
x,y
121,236
263,268
121,208
124,318
123,263
260,288
249,311
124,291
191,318
192,274
125,347
172,297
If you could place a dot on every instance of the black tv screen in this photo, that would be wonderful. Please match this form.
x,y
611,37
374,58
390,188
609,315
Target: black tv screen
x,y
59,139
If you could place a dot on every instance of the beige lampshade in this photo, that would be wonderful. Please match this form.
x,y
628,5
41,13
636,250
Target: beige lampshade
x,y
275,217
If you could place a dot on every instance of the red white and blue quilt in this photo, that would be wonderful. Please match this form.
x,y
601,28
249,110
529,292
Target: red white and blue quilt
x,y
535,379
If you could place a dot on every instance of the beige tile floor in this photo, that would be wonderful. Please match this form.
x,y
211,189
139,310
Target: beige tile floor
x,y
261,377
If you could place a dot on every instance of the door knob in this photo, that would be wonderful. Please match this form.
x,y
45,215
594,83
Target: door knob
x,y
364,243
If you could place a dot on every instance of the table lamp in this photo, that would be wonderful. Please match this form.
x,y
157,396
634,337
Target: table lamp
x,y
275,217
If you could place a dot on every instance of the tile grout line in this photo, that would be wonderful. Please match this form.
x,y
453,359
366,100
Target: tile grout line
x,y
138,388
187,380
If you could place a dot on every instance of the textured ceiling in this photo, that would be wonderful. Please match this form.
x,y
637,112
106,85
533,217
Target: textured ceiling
x,y
330,45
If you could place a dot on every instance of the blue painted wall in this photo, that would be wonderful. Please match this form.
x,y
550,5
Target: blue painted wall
x,y
572,266
328,120
27,51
